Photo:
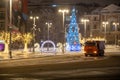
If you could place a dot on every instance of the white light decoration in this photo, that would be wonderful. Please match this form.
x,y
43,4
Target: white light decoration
x,y
51,51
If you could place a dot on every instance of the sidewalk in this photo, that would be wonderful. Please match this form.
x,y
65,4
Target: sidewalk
x,y
19,54
112,50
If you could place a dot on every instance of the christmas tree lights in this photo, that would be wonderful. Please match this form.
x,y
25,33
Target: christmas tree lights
x,y
72,35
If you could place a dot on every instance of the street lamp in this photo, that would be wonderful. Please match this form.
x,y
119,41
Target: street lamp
x,y
115,24
48,26
63,11
84,22
105,25
34,28
10,27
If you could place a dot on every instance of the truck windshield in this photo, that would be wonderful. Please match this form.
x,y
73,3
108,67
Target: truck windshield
x,y
90,44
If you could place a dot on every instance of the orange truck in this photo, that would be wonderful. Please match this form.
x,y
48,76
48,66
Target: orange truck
x,y
94,48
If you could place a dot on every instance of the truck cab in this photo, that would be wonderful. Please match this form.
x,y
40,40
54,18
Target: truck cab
x,y
94,48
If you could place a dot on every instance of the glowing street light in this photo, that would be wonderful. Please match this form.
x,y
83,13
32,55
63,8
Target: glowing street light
x,y
105,25
34,28
115,24
63,11
48,26
63,14
85,23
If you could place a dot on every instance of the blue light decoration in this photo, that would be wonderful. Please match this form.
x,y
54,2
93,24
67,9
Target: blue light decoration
x,y
72,35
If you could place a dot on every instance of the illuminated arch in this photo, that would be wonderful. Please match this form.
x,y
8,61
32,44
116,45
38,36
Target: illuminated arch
x,y
48,41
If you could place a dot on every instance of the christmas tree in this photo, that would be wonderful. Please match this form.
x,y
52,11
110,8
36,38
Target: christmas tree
x,y
72,36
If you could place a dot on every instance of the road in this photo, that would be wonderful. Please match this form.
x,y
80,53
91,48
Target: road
x,y
67,67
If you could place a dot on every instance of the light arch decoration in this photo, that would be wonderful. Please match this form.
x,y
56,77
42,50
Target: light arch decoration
x,y
51,51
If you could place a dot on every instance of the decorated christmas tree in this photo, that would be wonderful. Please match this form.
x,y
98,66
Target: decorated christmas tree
x,y
72,35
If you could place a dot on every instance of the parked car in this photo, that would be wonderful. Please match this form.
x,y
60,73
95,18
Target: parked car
x,y
94,48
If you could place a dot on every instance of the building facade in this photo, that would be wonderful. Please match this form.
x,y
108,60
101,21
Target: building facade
x,y
111,29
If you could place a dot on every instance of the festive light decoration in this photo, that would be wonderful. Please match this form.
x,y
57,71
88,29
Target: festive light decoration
x,y
72,35
48,41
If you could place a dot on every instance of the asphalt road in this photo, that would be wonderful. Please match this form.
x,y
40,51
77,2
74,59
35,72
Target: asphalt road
x,y
62,68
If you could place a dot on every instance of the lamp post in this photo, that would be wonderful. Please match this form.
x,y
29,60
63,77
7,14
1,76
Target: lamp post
x,y
63,11
85,23
34,28
105,25
10,27
115,24
48,26
66,27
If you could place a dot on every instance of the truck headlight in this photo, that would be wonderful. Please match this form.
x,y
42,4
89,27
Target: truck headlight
x,y
95,52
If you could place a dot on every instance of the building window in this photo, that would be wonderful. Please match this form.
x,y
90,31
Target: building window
x,y
2,3
95,27
95,19
103,17
2,15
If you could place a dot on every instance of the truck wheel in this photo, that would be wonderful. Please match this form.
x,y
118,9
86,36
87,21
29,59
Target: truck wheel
x,y
101,53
